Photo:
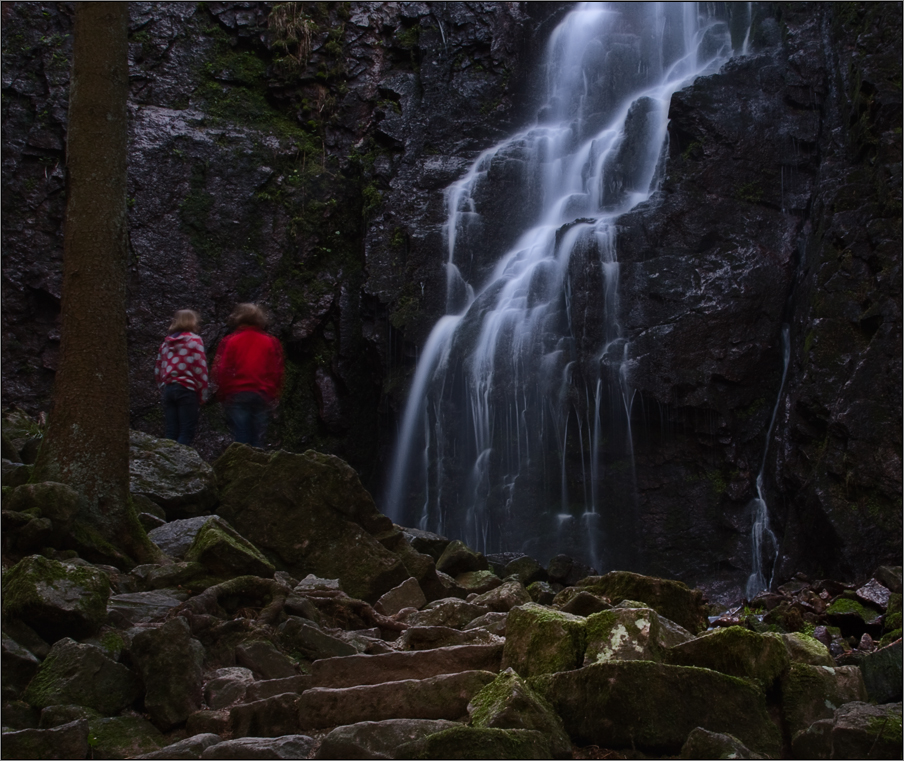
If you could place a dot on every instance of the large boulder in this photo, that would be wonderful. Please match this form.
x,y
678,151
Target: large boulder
x,y
224,552
703,744
654,707
672,599
541,641
56,599
882,673
735,651
78,674
478,742
377,739
64,742
170,662
123,737
629,634
176,537
308,513
810,693
171,475
509,703
244,748
856,730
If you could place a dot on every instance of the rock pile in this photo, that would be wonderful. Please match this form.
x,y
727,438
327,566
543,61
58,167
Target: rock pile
x,y
293,620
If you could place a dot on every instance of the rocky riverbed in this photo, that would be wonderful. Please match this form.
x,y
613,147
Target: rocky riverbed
x,y
291,619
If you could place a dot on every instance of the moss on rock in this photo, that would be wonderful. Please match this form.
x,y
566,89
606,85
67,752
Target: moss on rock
x,y
478,743
224,552
56,599
735,651
542,641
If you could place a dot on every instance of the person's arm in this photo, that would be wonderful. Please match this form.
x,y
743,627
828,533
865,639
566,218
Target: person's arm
x,y
200,370
158,367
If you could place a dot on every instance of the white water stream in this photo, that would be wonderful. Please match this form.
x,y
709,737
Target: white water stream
x,y
517,429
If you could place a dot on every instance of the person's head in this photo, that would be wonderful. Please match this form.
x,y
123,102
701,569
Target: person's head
x,y
248,314
185,320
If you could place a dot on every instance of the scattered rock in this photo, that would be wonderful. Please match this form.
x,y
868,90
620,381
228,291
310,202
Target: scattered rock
x,y
64,742
287,746
377,739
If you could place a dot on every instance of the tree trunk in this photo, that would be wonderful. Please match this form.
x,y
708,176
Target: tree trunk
x,y
87,442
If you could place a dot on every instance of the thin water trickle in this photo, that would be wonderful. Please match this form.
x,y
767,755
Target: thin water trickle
x,y
502,465
764,545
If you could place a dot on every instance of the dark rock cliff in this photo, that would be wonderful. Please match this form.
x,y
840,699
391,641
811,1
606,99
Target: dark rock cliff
x,y
300,161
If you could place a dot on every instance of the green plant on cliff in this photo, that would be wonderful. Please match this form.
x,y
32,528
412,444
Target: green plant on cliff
x,y
292,30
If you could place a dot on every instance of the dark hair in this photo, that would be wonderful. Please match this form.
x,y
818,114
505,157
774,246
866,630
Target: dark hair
x,y
248,314
185,319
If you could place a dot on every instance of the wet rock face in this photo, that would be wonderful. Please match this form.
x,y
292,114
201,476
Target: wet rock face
x,y
317,189
755,229
307,180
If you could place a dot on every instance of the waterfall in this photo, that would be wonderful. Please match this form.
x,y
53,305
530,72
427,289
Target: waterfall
x,y
763,541
517,429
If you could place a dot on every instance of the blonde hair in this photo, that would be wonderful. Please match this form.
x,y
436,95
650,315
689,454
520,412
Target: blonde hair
x,y
185,319
248,314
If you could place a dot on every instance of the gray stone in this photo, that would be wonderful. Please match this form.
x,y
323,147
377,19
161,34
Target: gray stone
x,y
18,667
492,622
264,659
228,686
123,737
306,638
450,612
58,715
429,637
874,593
407,595
189,748
170,661
270,717
704,744
268,688
882,673
855,730
377,739
439,697
810,693
479,742
419,664
175,537
287,746
141,607
172,475
503,598
64,742
83,675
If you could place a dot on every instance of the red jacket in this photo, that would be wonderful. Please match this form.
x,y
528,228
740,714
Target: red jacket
x,y
249,360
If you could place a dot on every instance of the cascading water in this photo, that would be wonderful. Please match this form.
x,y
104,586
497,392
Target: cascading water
x,y
764,546
517,430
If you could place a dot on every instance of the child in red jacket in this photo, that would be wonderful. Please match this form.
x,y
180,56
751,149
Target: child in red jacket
x,y
248,371
181,375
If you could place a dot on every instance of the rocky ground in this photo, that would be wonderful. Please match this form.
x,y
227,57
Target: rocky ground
x,y
290,619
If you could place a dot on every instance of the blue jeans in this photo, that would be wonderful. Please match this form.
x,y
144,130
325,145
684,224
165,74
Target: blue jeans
x,y
247,415
180,413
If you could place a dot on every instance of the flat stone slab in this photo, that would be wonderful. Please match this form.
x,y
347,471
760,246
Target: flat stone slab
x,y
363,669
377,739
440,697
142,607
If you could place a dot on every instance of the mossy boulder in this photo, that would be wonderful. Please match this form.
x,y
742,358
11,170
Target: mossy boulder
x,y
459,558
377,739
172,475
171,663
805,649
478,582
478,743
540,640
123,737
509,703
56,599
226,553
308,513
735,651
57,502
856,730
77,674
672,599
883,674
628,634
810,693
654,707
845,611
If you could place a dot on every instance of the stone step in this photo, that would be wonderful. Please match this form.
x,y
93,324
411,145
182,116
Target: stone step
x,y
354,670
439,697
